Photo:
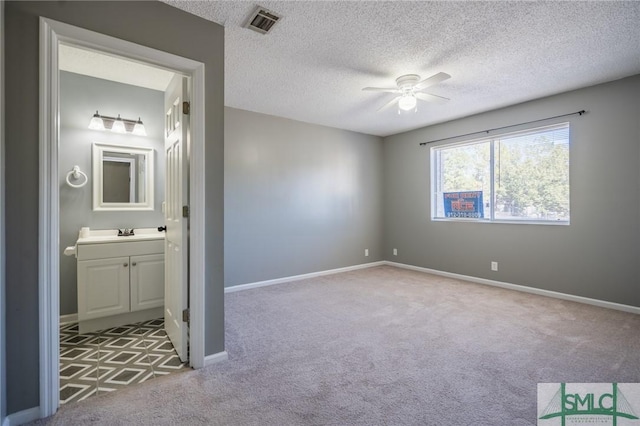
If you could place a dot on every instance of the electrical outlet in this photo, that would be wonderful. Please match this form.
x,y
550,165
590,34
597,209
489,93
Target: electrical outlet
x,y
366,252
494,266
395,252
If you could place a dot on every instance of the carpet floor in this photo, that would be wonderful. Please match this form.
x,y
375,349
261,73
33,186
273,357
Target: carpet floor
x,y
382,346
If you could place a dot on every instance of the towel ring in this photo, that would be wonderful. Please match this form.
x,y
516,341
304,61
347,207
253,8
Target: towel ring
x,y
77,173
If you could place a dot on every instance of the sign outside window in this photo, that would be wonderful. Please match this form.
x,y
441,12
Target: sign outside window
x,y
466,204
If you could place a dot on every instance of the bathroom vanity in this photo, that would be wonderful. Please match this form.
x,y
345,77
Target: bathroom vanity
x,y
120,279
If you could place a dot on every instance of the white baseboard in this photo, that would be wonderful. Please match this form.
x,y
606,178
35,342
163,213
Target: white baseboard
x,y
22,417
301,277
215,358
522,288
68,319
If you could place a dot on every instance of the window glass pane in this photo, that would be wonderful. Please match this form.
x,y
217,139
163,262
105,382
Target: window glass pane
x,y
462,181
532,176
520,176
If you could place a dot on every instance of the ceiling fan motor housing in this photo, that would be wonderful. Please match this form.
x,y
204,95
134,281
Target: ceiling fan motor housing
x,y
407,81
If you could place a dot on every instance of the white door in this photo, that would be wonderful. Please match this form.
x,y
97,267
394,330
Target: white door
x,y
176,197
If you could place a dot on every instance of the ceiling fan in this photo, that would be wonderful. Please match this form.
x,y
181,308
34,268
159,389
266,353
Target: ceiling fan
x,y
410,89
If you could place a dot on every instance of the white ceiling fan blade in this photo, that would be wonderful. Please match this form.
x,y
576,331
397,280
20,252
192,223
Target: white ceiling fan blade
x,y
434,79
431,98
382,89
390,103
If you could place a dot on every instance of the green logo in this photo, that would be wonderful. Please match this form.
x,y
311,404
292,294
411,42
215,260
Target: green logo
x,y
589,401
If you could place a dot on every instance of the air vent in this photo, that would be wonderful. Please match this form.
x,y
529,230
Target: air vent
x,y
262,20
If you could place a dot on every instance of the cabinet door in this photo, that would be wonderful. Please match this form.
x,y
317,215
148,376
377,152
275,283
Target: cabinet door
x,y
103,287
147,282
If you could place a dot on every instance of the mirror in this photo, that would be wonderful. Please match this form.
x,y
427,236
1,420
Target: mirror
x,y
122,177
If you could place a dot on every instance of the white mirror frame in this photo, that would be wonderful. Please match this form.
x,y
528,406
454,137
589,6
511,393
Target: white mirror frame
x,y
98,156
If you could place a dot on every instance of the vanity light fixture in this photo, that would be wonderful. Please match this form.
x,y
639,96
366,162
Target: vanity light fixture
x,y
96,122
117,124
138,128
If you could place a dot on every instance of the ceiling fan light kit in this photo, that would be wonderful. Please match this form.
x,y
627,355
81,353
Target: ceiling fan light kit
x,y
407,102
410,89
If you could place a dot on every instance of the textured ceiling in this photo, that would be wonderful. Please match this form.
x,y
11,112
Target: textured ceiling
x,y
114,68
314,63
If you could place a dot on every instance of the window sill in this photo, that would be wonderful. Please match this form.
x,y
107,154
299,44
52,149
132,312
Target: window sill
x,y
504,222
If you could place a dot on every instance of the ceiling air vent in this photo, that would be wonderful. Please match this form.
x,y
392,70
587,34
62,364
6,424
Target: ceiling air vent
x,y
262,20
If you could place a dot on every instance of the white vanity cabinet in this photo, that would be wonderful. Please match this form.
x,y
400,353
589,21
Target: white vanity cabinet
x,y
120,280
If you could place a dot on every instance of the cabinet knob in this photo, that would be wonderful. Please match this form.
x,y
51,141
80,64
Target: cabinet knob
x,y
125,265
133,263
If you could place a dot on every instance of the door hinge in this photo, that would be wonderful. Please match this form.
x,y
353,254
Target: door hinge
x,y
186,108
185,211
185,315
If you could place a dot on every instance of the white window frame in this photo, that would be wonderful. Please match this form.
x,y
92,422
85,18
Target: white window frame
x,y
491,199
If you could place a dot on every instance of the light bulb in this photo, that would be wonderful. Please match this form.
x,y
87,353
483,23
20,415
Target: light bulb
x,y
407,102
118,125
96,122
139,129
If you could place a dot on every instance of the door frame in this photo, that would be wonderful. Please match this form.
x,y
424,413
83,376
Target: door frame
x,y
3,384
51,34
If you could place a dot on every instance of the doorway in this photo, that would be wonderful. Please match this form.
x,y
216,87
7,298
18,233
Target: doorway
x,y
120,339
53,34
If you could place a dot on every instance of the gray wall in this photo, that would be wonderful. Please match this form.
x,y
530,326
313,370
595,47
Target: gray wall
x,y
145,23
80,97
597,256
299,198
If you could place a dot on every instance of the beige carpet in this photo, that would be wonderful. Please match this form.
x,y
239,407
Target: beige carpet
x,y
382,346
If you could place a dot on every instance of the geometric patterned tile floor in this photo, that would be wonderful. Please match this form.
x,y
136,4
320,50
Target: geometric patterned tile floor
x,y
107,360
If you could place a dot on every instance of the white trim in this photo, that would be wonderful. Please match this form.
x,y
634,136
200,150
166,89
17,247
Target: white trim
x,y
22,417
68,319
522,288
48,262
51,34
215,358
301,277
3,385
197,219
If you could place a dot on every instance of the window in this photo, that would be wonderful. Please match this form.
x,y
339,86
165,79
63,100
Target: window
x,y
516,177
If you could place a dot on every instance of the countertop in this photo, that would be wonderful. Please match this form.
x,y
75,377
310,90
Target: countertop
x,y
101,236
